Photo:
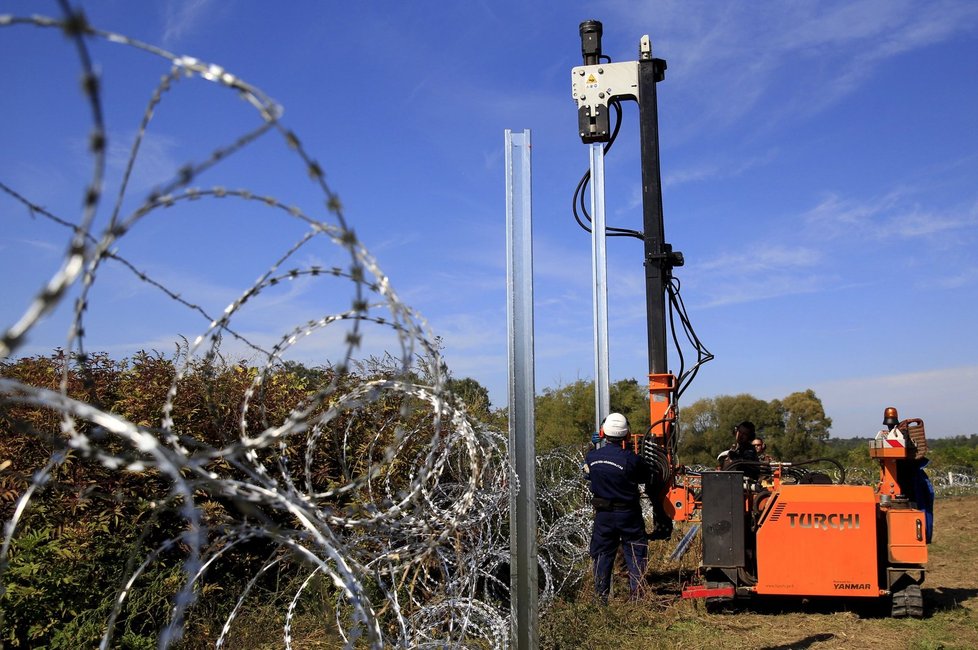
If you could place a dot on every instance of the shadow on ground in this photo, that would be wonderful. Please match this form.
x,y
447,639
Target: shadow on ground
x,y
943,599
801,644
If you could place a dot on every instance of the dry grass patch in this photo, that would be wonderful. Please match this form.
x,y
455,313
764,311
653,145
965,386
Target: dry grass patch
x,y
663,620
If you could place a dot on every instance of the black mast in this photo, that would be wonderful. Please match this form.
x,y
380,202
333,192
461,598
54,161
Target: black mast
x,y
659,258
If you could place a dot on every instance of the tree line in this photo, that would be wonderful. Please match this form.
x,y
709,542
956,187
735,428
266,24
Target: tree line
x,y
793,427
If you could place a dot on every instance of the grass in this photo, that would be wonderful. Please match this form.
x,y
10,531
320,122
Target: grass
x,y
663,620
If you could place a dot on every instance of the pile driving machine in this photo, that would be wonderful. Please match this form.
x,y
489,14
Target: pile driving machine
x,y
771,530
768,528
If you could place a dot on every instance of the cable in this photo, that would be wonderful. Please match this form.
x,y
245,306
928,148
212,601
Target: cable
x,y
842,470
703,355
579,201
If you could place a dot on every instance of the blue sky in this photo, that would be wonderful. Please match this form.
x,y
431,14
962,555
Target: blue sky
x,y
819,162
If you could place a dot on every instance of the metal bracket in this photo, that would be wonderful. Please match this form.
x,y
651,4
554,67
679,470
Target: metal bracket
x,y
593,87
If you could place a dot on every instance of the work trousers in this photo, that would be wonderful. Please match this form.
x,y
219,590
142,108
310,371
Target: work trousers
x,y
612,529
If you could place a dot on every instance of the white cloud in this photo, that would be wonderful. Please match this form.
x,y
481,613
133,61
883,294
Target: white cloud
x,y
964,278
468,331
732,56
939,397
763,258
894,215
916,223
50,250
758,272
835,230
763,288
712,170
181,17
155,162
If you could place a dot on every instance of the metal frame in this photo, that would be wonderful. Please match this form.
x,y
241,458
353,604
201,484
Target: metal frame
x,y
599,266
522,419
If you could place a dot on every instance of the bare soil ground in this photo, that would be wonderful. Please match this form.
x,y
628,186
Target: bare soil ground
x,y
663,620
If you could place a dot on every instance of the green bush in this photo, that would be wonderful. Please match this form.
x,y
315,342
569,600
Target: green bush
x,y
90,527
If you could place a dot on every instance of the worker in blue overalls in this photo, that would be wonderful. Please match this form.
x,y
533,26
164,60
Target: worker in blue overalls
x,y
615,473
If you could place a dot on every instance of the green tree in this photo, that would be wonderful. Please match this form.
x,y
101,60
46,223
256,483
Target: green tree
x,y
706,424
805,426
631,399
699,433
958,451
473,395
565,414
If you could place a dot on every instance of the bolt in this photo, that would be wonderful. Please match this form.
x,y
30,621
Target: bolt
x,y
583,97
600,70
600,95
580,72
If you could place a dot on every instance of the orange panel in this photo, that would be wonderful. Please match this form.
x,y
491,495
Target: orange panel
x,y
905,532
818,540
661,387
884,452
680,504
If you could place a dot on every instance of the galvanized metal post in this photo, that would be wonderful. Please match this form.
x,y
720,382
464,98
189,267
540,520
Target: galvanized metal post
x,y
522,420
599,265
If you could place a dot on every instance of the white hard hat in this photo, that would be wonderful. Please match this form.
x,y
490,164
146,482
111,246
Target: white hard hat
x,y
615,426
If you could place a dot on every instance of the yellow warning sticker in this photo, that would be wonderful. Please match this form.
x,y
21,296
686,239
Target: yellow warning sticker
x,y
591,79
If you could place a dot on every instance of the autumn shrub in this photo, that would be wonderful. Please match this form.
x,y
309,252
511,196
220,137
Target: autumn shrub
x,y
88,528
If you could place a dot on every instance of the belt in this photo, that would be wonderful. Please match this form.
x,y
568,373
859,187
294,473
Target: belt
x,y
610,505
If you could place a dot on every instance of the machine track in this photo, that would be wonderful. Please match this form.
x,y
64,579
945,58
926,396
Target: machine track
x,y
908,602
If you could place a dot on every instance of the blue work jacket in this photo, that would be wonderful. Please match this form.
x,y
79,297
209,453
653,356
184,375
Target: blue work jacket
x,y
616,473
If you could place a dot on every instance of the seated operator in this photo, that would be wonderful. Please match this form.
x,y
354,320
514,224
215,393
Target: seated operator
x,y
741,456
615,473
760,448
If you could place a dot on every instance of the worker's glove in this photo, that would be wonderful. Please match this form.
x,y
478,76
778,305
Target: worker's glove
x,y
661,531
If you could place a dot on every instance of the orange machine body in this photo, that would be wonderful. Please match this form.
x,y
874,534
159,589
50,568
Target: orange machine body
x,y
791,534
818,540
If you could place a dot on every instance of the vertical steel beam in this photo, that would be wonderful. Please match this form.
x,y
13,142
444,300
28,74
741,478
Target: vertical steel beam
x,y
650,71
522,420
599,266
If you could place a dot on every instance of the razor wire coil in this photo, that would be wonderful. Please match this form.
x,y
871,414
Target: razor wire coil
x,y
418,555
414,542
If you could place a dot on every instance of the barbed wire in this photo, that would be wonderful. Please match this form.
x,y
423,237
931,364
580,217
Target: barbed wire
x,y
418,554
415,540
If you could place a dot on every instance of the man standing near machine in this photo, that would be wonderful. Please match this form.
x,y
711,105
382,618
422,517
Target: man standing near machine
x,y
615,473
